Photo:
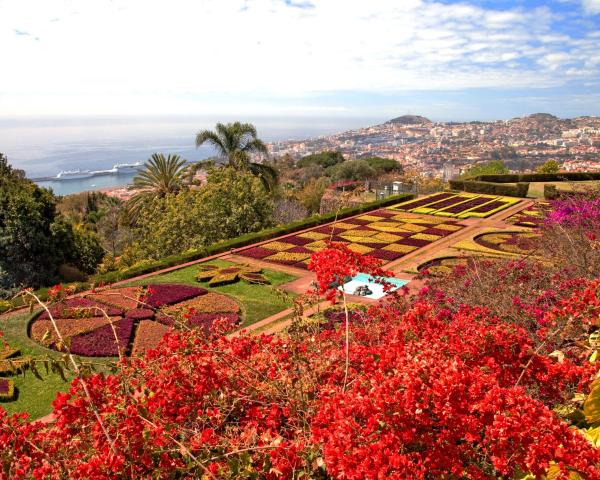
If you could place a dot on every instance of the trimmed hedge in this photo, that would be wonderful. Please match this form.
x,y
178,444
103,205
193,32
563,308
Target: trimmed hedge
x,y
245,240
495,184
491,188
539,177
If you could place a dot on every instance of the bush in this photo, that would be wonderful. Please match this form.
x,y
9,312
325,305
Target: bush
x,y
490,188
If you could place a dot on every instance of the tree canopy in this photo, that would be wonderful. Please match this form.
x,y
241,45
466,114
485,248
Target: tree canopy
x,y
231,203
324,159
550,166
235,142
495,167
35,240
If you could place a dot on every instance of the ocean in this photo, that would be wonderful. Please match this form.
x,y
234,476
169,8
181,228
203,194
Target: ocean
x,y
45,146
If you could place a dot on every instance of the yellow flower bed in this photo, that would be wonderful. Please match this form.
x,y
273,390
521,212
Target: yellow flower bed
x,y
426,236
287,257
278,246
313,235
362,249
394,247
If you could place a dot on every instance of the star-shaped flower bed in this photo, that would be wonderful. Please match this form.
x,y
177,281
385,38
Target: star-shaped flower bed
x,y
130,319
11,363
216,276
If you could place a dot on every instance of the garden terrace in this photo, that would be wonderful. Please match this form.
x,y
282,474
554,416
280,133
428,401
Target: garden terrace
x,y
385,234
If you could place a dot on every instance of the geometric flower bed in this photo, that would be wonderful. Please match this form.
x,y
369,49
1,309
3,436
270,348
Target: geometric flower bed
x,y
224,275
521,243
130,319
383,234
7,389
458,205
439,267
532,216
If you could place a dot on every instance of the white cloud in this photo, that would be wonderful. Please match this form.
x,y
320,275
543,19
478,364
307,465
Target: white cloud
x,y
591,6
186,56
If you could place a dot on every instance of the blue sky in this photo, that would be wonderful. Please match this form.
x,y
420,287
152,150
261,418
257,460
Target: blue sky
x,y
445,59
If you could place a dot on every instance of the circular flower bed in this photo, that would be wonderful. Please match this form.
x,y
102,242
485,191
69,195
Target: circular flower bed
x,y
521,243
439,267
130,320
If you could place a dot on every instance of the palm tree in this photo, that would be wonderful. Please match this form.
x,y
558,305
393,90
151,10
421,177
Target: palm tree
x,y
235,142
161,176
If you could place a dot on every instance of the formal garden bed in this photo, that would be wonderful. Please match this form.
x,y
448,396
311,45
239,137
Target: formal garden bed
x,y
519,243
443,266
117,321
384,234
532,216
458,205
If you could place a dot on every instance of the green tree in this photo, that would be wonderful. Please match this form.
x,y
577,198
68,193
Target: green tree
x,y
495,167
235,142
161,176
550,166
324,159
311,194
351,170
231,204
35,240
383,165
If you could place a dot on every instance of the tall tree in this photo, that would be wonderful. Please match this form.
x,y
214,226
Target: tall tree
x,y
235,142
161,176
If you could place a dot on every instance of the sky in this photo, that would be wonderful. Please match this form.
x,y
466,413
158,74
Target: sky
x,y
449,60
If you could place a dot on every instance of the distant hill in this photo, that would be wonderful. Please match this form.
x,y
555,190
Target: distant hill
x,y
542,116
409,120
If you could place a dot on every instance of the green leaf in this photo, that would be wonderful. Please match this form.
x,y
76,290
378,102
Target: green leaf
x,y
591,406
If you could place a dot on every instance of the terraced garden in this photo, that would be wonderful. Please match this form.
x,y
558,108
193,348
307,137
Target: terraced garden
x,y
384,234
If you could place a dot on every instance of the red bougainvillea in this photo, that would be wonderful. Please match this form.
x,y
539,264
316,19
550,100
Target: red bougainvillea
x,y
434,394
335,264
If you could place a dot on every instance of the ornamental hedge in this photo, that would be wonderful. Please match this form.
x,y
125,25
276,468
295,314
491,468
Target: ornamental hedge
x,y
496,184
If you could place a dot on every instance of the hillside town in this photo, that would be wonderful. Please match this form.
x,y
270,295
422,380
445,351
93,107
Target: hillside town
x,y
445,149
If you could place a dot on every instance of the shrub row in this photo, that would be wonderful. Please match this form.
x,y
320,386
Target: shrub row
x,y
539,177
490,188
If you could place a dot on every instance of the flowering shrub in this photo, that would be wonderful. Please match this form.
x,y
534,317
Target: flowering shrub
x,y
572,234
432,395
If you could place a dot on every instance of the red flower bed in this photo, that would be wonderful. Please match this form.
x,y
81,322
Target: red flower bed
x,y
168,294
258,252
489,207
425,201
462,207
437,231
294,240
7,389
80,307
206,320
102,342
386,255
414,242
140,314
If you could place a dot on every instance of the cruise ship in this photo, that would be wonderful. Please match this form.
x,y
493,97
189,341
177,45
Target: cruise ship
x,y
127,167
74,174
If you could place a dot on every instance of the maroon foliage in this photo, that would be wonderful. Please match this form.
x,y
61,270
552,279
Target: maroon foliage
x,y
101,342
168,294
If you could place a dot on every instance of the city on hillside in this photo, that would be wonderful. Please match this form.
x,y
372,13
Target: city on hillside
x,y
445,149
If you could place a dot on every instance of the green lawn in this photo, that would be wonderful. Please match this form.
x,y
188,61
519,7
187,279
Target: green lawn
x,y
536,189
257,301
34,395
